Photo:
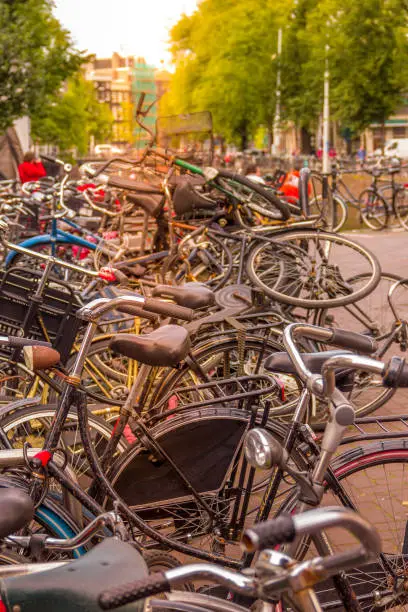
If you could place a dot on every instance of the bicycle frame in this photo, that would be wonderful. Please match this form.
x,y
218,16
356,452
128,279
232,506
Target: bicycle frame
x,y
54,238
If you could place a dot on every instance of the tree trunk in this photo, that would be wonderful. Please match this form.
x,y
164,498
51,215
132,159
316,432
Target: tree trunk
x,y
382,136
244,136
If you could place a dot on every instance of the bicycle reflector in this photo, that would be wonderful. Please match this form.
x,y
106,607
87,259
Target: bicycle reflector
x,y
107,274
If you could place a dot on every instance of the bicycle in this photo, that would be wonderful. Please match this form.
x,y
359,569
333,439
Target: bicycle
x,y
322,375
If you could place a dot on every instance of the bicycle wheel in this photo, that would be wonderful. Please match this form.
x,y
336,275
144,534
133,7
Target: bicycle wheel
x,y
374,479
209,261
51,519
246,191
340,210
106,376
373,316
373,209
32,423
401,206
308,268
221,359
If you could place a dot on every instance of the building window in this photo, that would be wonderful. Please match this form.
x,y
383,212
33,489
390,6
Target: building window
x,y
399,131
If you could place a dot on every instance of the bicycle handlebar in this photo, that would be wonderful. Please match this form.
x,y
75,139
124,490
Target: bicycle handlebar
x,y
258,538
108,519
322,385
95,309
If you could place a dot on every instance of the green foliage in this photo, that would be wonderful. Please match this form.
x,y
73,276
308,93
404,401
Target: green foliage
x,y
367,49
69,119
36,56
225,58
224,55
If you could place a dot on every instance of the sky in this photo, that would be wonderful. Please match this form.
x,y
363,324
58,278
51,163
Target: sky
x,y
130,27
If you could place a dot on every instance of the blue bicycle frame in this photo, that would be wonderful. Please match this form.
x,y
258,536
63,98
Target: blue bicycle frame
x,y
54,238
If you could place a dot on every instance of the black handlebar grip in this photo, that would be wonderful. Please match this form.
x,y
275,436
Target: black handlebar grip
x,y
270,534
48,158
396,373
16,342
353,341
140,102
133,591
168,309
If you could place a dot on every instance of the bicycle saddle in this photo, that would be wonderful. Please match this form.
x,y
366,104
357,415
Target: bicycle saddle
x,y
281,362
77,585
152,204
16,510
190,295
129,185
182,179
186,199
164,347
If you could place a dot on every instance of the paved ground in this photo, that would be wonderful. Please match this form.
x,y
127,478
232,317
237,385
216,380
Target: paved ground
x,y
391,248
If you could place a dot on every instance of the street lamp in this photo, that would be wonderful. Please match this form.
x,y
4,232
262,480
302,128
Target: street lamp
x,y
277,118
326,116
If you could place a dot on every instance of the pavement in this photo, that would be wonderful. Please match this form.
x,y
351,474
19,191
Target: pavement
x,y
391,249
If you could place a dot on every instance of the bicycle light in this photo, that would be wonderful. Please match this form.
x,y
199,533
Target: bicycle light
x,y
262,451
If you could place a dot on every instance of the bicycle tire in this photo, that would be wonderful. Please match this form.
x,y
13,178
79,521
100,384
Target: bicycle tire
x,y
401,206
270,198
32,417
386,460
185,601
52,518
367,200
327,318
341,212
291,266
169,274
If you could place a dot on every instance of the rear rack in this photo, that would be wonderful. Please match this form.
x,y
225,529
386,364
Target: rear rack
x,y
379,428
239,392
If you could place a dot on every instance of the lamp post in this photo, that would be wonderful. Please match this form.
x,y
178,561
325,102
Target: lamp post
x,y
277,118
326,116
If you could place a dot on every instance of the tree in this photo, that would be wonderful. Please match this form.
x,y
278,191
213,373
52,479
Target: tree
x,y
225,57
36,56
367,49
224,63
70,118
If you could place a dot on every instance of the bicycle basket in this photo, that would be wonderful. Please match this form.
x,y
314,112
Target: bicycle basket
x,y
52,318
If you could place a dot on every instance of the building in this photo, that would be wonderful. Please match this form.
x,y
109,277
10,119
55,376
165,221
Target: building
x,y
395,127
153,83
113,78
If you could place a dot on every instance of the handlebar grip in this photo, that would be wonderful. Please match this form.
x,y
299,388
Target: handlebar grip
x,y
48,158
396,373
168,309
16,342
353,341
137,311
133,591
270,534
140,102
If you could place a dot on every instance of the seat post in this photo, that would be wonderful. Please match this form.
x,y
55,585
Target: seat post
x,y
131,405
